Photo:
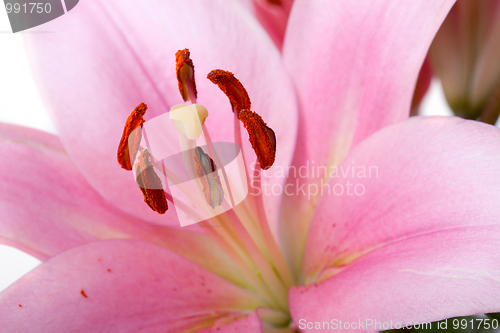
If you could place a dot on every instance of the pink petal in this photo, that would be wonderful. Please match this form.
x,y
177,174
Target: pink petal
x,y
423,278
108,56
363,77
120,285
427,174
48,207
421,243
354,65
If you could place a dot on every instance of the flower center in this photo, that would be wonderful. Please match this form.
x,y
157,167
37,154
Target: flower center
x,y
241,230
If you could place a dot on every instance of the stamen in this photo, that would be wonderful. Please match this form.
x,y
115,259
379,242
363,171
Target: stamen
x,y
209,177
127,149
150,184
232,87
185,75
262,138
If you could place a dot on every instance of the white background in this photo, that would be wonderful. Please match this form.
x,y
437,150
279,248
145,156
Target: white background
x,y
20,104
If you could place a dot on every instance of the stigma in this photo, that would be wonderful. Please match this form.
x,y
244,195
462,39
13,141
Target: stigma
x,y
189,119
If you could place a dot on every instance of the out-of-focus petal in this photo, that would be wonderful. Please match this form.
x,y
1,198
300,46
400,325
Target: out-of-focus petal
x,y
108,56
120,285
273,15
421,176
465,57
424,278
48,207
354,65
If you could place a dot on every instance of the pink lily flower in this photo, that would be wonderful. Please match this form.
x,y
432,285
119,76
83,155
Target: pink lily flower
x,y
418,245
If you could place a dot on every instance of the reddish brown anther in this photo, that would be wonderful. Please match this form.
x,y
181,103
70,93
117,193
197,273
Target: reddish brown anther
x,y
150,184
232,87
212,197
199,169
127,150
262,138
185,75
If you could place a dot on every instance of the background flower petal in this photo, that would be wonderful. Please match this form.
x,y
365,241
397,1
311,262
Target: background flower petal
x,y
427,175
464,55
109,286
106,57
273,15
354,65
48,207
